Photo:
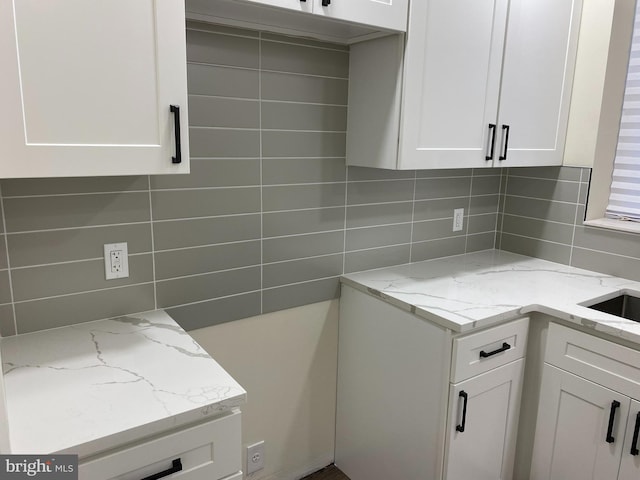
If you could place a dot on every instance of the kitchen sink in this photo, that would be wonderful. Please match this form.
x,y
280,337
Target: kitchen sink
x,y
625,306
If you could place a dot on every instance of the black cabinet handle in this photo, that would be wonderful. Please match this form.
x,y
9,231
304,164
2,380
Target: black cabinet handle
x,y
177,466
463,394
492,143
634,442
505,346
505,130
175,109
326,3
612,417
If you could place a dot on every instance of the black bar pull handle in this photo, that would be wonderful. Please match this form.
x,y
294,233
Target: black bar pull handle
x,y
326,3
612,417
505,136
492,143
175,109
505,346
177,466
465,397
634,443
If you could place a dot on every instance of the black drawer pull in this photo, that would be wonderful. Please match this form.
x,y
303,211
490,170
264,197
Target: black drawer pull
x,y
505,135
326,3
177,466
505,346
492,143
175,109
612,417
463,394
634,443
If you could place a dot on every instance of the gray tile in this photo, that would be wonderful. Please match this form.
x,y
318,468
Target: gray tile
x,y
5,290
3,252
205,231
552,173
442,188
40,213
222,81
223,112
304,221
59,311
310,245
528,227
363,173
606,240
38,248
433,229
543,189
177,263
580,214
170,204
371,237
217,49
480,241
382,214
299,88
498,245
586,175
52,186
292,197
379,192
437,248
64,278
302,170
179,291
485,185
213,173
603,262
295,271
439,208
303,144
282,57
582,195
482,223
483,204
300,116
486,172
553,252
542,209
7,325
289,296
211,143
451,172
376,258
303,41
215,312
216,28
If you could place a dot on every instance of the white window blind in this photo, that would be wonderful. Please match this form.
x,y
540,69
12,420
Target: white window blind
x,y
624,199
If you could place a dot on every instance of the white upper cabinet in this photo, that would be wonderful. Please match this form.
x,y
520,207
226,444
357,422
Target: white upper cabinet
x,y
391,14
297,5
478,83
87,87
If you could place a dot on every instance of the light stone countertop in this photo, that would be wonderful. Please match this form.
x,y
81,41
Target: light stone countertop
x,y
90,387
476,290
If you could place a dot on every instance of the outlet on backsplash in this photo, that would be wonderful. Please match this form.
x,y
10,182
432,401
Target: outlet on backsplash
x,y
116,260
458,219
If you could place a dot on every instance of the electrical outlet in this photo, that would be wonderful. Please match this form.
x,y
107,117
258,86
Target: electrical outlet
x,y
458,219
255,457
116,260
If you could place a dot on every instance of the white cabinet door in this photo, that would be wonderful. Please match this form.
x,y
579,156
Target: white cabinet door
x,y
630,466
571,439
87,86
298,5
481,444
451,83
391,14
537,79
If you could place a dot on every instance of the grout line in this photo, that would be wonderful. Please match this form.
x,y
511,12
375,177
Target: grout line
x,y
381,225
379,247
78,194
539,199
256,100
384,180
555,180
223,297
537,219
206,217
153,247
237,67
221,244
83,227
608,253
303,282
413,214
95,290
6,251
310,257
261,173
248,129
537,239
67,262
441,238
203,274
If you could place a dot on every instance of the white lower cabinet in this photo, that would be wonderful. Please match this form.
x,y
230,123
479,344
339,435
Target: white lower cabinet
x,y
206,451
588,420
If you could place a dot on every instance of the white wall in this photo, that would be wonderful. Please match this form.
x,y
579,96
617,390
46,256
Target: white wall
x,y
287,362
4,426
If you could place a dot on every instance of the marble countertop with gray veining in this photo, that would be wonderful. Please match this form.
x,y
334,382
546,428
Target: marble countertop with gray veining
x,y
90,387
475,290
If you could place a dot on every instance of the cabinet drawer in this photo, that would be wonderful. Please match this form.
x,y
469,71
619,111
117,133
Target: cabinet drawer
x,y
601,361
483,351
210,450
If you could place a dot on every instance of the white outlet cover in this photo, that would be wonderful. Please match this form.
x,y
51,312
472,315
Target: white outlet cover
x,y
121,270
458,219
255,457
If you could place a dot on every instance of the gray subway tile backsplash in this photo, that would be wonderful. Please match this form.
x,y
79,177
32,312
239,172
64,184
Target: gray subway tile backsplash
x,y
300,88
376,258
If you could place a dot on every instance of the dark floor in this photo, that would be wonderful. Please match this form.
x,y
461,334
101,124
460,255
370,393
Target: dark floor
x,y
329,473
